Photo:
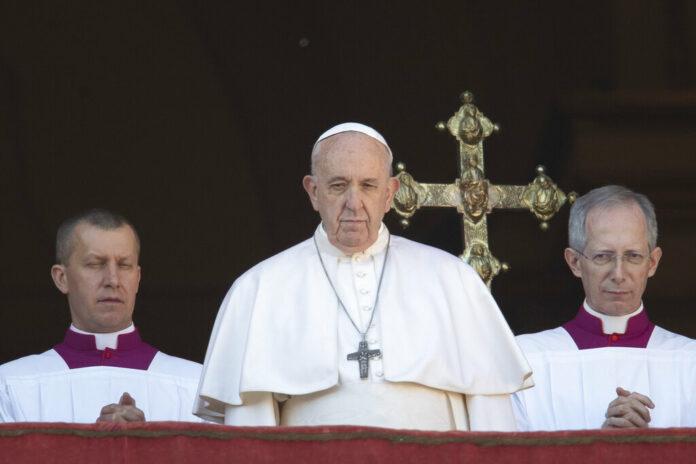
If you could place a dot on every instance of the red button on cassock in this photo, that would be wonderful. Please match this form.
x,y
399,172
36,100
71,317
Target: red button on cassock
x,y
614,338
108,355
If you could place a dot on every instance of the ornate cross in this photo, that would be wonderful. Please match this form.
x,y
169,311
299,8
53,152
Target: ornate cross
x,y
363,355
473,195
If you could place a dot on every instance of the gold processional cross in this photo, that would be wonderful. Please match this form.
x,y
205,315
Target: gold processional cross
x,y
473,195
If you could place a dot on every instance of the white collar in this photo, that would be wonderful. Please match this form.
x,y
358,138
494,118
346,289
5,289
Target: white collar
x,y
105,340
613,324
325,246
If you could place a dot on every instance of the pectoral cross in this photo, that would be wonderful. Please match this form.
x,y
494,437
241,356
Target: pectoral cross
x,y
473,195
363,356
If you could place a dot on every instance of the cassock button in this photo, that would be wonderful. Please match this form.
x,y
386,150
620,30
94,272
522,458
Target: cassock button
x,y
366,308
108,355
364,291
379,373
614,338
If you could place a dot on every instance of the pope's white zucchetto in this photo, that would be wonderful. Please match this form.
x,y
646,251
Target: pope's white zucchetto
x,y
353,127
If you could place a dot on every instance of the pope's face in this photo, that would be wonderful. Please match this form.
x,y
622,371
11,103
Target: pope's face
x,y
615,288
101,278
351,189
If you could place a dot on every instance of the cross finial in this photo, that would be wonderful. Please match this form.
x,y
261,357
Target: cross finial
x,y
473,195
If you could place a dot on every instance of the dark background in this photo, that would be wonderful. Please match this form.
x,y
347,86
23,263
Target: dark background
x,y
196,119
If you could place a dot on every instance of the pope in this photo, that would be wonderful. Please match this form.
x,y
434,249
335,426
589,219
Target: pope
x,y
355,326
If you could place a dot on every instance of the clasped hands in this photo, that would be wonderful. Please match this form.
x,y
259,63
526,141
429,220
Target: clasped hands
x,y
124,411
629,409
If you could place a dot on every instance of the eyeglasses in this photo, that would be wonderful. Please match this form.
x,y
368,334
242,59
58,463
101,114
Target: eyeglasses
x,y
602,259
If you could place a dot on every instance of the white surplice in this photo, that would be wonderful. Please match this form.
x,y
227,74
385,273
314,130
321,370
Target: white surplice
x,y
573,387
281,330
41,388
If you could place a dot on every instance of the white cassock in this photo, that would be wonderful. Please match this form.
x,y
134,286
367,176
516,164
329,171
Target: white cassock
x,y
43,388
281,335
573,387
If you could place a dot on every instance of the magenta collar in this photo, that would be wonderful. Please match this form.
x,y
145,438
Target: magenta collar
x,y
586,331
80,350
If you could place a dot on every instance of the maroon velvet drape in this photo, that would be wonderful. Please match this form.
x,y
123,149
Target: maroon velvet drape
x,y
206,443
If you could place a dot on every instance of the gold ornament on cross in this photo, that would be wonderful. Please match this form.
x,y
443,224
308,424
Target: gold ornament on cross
x,y
473,195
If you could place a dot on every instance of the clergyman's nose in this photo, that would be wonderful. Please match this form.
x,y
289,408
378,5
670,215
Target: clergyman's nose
x,y
112,277
618,268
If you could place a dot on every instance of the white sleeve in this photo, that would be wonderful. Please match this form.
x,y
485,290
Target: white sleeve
x,y
6,409
490,413
519,408
259,409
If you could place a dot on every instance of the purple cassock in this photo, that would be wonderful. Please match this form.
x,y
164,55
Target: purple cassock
x,y
586,331
74,381
80,350
577,369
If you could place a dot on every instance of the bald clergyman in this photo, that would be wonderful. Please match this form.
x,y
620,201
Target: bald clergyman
x,y
355,326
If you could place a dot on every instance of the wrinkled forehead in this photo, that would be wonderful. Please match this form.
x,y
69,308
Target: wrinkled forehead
x,y
352,151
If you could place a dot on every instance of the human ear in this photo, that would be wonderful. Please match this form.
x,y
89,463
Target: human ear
x,y
393,184
310,185
572,257
655,256
60,277
138,288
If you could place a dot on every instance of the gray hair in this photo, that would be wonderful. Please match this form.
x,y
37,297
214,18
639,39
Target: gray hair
x,y
317,150
604,198
101,218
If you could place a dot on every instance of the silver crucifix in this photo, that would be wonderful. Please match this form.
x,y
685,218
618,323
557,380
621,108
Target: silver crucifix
x,y
363,355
